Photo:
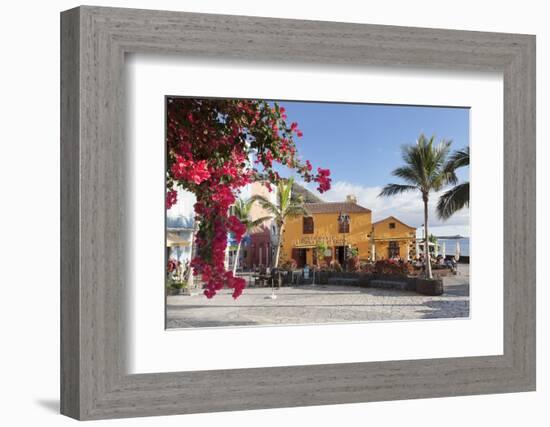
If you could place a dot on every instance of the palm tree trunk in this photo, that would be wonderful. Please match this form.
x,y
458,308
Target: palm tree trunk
x,y
237,258
278,251
190,276
426,242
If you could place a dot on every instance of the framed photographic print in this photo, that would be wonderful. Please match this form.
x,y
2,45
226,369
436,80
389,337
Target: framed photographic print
x,y
294,201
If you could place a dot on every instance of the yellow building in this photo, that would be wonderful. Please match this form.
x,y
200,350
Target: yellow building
x,y
393,238
302,235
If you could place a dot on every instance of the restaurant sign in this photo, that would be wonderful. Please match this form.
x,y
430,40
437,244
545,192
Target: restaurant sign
x,y
309,241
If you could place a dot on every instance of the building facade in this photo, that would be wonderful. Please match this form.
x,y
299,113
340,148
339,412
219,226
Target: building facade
x,y
179,240
259,250
382,239
303,235
393,238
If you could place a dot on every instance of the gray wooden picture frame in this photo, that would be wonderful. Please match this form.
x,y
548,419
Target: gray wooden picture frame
x,y
94,41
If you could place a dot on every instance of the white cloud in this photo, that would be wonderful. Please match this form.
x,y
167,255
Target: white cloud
x,y
184,206
407,207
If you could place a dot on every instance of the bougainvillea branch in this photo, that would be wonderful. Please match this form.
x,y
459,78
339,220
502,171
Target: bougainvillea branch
x,y
215,147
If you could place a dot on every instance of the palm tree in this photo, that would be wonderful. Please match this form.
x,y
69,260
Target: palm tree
x,y
285,207
241,209
459,196
190,275
424,171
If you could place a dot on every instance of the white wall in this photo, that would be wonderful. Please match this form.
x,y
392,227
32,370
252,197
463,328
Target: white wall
x,y
29,172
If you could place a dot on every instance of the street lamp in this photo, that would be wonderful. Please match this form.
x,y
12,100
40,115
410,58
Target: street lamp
x,y
344,220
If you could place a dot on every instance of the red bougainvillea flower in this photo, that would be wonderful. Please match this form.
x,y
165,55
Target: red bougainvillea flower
x,y
172,265
188,170
237,227
323,179
214,149
171,198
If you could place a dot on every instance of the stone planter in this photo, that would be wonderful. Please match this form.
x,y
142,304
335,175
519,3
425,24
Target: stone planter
x,y
392,281
286,278
323,277
429,286
343,278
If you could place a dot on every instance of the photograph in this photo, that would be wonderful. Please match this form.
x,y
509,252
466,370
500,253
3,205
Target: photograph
x,y
284,212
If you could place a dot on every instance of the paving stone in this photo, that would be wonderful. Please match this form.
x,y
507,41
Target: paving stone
x,y
311,304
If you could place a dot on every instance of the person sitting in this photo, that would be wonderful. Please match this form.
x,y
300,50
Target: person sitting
x,y
450,263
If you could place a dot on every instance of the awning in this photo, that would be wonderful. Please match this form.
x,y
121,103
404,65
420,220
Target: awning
x,y
172,239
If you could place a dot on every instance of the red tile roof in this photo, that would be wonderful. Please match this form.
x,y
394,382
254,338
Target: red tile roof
x,y
392,218
332,207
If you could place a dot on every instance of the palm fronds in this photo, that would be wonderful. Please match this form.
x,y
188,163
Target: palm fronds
x,y
424,170
457,197
287,205
453,200
393,189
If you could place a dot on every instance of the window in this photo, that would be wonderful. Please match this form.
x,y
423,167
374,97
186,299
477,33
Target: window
x,y
307,225
392,225
393,249
343,227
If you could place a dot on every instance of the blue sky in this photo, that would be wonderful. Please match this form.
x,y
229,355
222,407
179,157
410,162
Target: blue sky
x,y
361,145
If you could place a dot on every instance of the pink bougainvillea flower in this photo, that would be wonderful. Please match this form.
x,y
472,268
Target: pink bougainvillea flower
x,y
215,147
323,179
171,198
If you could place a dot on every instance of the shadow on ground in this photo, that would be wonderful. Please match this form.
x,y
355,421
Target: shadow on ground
x,y
440,310
187,323
51,405
460,290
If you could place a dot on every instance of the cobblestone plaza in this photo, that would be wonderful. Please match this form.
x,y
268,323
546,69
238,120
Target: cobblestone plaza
x,y
318,304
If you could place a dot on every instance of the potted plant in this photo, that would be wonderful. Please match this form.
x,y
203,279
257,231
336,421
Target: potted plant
x,y
176,286
352,261
335,266
431,287
175,281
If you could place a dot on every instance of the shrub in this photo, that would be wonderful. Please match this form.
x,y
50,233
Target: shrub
x,y
366,267
289,265
335,266
353,264
324,266
177,284
391,267
173,265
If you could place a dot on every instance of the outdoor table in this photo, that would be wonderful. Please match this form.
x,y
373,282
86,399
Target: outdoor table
x,y
262,278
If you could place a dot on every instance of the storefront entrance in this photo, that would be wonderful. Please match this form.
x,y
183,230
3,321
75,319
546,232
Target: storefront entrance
x,y
300,256
340,254
393,249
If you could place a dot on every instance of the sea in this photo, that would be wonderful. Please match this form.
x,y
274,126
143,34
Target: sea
x,y
450,246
